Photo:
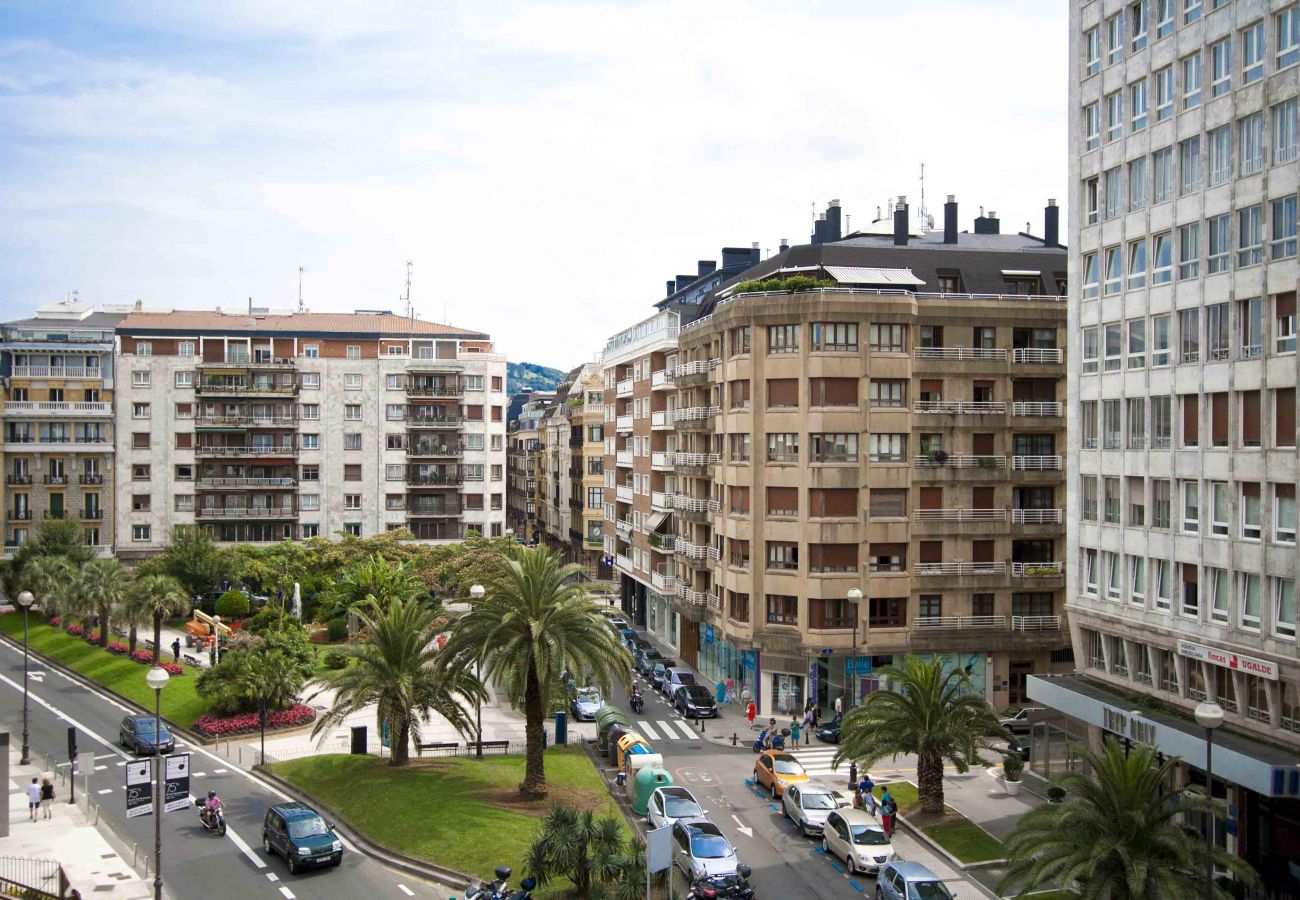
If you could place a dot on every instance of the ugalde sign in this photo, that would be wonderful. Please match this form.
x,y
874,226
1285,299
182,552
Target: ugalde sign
x,y
1224,659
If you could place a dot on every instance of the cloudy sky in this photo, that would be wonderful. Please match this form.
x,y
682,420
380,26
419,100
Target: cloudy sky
x,y
546,166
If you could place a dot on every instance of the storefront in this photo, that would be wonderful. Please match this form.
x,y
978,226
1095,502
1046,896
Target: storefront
x,y
721,663
662,620
785,685
633,594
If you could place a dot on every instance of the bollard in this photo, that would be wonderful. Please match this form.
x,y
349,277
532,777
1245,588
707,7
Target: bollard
x,y
701,724
853,774
733,739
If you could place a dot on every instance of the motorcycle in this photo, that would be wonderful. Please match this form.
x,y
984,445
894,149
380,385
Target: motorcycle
x,y
723,887
637,703
771,741
499,890
216,823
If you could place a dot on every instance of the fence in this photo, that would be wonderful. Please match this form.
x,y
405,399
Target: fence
x,y
24,877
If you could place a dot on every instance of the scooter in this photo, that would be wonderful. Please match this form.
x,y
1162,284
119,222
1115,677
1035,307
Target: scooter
x,y
777,741
216,823
637,702
723,887
499,890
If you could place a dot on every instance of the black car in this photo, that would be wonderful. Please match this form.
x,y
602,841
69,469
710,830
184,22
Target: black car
x,y
299,834
660,670
830,732
695,702
638,646
646,659
136,733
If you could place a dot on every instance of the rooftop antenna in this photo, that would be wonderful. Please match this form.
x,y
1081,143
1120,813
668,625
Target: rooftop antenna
x,y
410,311
923,193
301,308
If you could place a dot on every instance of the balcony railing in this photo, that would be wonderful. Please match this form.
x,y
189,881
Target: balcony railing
x,y
11,478
696,598
695,367
961,515
245,512
417,480
661,460
21,515
224,387
661,420
961,568
1037,408
624,493
623,458
1037,516
416,420
962,462
1038,355
695,504
696,551
961,407
57,372
623,423
623,388
960,353
661,380
694,413
251,481
210,450
423,449
1035,623
1037,569
663,582
987,623
260,361
624,563
1035,463
446,390
54,408
685,460
661,501
247,420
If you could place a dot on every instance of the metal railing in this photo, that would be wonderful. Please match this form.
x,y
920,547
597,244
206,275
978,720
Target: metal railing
x,y
624,388
624,493
998,623
696,598
961,568
287,482
240,388
685,548
57,372
694,413
1036,623
623,423
661,380
961,515
1035,463
960,353
210,450
695,367
663,581
422,449
661,420
415,420
623,458
55,408
661,459
246,420
1038,355
961,407
35,878
1037,516
962,462
624,563
1037,408
694,504
662,501
245,512
434,391
1037,569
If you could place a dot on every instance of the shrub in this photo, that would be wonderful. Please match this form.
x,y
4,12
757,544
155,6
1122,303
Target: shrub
x,y
92,637
1056,793
75,630
55,621
232,605
337,628
118,648
335,659
1012,766
143,656
245,723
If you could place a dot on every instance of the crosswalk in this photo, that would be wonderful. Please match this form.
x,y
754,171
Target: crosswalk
x,y
665,729
818,761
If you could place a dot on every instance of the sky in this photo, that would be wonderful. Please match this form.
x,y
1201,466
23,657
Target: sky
x,y
546,167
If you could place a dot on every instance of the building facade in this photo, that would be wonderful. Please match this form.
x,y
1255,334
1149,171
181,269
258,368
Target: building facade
x,y
571,483
265,427
524,461
1183,458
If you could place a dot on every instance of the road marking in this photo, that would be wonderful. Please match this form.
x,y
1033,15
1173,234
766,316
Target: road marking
x,y
288,894
686,729
100,768
741,827
38,677
244,848
64,716
647,730
667,728
105,791
219,771
271,876
406,890
197,774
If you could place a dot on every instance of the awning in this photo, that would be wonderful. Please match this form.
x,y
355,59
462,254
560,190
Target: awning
x,y
1021,273
1241,759
872,275
657,519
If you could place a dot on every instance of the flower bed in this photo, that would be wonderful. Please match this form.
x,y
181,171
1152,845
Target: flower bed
x,y
117,648
75,630
92,637
55,621
143,656
246,723
171,668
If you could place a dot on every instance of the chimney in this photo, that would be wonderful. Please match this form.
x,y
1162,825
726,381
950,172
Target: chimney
x,y
785,245
683,280
900,222
735,257
704,267
819,229
1052,224
987,224
755,254
950,220
833,230
672,288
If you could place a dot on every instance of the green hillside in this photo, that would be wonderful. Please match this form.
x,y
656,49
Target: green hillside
x,y
531,377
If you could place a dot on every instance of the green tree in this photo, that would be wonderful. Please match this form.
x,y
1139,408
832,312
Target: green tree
x,y
578,846
395,668
1117,833
193,559
54,537
153,598
372,582
532,625
272,667
103,587
933,714
52,580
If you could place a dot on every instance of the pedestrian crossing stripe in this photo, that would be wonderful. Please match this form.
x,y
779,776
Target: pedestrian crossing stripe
x,y
646,731
665,730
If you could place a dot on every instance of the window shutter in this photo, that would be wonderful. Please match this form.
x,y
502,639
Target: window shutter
x,y
1219,419
982,444
931,498
780,499
1284,417
931,551
981,551
1250,418
783,392
932,386
1191,420
1285,304
983,498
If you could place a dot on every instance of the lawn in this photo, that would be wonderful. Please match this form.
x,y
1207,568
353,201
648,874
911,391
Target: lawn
x,y
960,837
461,813
180,704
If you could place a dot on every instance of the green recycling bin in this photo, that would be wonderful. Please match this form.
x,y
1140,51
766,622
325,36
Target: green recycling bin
x,y
561,728
644,784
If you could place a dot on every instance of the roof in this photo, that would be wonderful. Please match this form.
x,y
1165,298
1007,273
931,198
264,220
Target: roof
x,y
872,275
911,870
294,810
190,321
95,321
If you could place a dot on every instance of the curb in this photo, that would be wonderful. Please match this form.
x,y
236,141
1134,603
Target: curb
x,y
937,848
440,875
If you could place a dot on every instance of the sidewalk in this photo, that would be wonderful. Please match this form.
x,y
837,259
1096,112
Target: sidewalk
x,y
89,860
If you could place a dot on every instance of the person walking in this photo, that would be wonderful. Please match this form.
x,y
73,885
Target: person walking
x,y
888,809
809,724
866,787
839,706
796,732
33,798
750,712
176,650
47,798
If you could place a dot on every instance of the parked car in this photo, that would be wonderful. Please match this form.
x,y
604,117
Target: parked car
x,y
1017,745
626,634
695,702
660,671
855,836
618,623
910,881
668,804
646,659
638,646
1021,721
776,770
585,704
299,834
830,732
675,678
136,734
808,805
701,850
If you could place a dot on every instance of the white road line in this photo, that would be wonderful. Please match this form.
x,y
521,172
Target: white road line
x,y
686,729
271,876
287,893
197,774
406,890
645,729
218,771
64,716
667,728
100,768
244,848
105,791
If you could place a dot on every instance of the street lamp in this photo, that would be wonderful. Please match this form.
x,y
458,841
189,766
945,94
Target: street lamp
x,y
157,679
476,594
1209,715
855,597
25,600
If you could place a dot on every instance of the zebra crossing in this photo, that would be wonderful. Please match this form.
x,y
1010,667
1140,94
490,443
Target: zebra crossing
x,y
818,761
666,729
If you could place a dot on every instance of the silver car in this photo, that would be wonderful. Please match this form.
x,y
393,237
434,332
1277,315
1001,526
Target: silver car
x,y
701,850
586,703
668,804
808,805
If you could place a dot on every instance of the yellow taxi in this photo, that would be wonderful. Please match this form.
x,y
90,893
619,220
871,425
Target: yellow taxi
x,y
775,770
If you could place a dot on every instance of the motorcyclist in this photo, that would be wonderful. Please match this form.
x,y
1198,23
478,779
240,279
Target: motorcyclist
x,y
636,698
211,806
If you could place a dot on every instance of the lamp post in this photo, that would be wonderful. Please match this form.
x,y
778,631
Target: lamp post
x,y
25,600
476,594
855,598
1209,715
157,679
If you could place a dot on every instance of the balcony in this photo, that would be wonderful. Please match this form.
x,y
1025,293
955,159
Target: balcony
x,y
435,391
20,515
425,448
927,570
623,458
245,421
981,623
664,582
936,460
960,353
91,515
694,415
623,388
12,478
1037,516
624,563
428,512
662,381
695,509
245,512
662,543
1038,356
695,552
414,479
51,409
1037,569
246,482
961,515
56,479
80,445
624,527
220,388
623,424
624,493
93,372
694,372
695,461
961,407
419,420
697,598
661,421
1036,463
661,502
257,361
1036,623
661,461
223,450
1037,408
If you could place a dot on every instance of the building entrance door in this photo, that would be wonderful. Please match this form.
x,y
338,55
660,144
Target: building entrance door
x,y
1017,682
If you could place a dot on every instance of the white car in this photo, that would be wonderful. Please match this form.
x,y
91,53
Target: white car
x,y
856,837
668,804
808,805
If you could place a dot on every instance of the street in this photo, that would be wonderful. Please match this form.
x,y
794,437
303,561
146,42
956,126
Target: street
x,y
196,864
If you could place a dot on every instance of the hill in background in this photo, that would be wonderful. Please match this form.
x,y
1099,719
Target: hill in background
x,y
531,377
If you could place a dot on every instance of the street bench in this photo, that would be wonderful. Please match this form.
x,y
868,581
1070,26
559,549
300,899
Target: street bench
x,y
192,660
497,746
436,746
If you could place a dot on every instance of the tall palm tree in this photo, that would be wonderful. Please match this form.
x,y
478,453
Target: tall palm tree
x,y
1117,833
926,711
51,579
103,587
533,624
394,667
154,598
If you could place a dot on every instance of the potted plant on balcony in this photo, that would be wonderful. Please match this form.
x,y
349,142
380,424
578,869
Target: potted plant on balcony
x,y
988,462
1012,767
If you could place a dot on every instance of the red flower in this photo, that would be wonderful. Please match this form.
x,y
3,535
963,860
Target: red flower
x,y
75,630
92,637
143,656
55,621
245,723
118,648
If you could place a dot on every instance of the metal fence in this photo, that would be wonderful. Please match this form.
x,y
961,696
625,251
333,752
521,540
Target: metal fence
x,y
24,877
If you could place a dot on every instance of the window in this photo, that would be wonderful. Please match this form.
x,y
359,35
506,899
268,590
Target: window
x,y
140,410
311,410
1160,504
1137,262
1288,37
1164,93
833,392
1286,132
352,529
782,556
886,447
783,339
1284,410
1250,236
1089,563
1137,343
394,412
1111,502
1191,585
140,472
1137,506
740,340
1091,275
1220,232
1137,423
1114,116
1284,228
1089,350
1219,141
1192,81
1189,251
887,612
1252,53
1137,105
1220,509
1163,251
184,473
783,447
1284,513
782,609
885,338
1091,126
1114,39
835,448
1248,595
1137,183
1250,132
352,412
738,606
1189,164
1284,606
351,501
352,441
140,440
1217,584
1163,163
352,472
1114,346
140,533
1191,11
782,392
1189,335
1251,520
311,441
311,381
1092,200
1221,67
311,473
1092,52
887,394
1216,328
739,446
1088,424
891,557
1164,584
354,351
185,379
1250,319
1114,270
836,337
473,382
140,379
1089,485
352,381
1191,507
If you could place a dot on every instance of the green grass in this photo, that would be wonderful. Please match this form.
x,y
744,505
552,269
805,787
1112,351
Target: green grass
x,y
905,795
461,813
966,841
180,703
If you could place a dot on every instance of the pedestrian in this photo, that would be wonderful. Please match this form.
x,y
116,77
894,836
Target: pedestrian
x,y
47,798
176,650
867,786
809,722
33,797
796,732
750,712
839,706
888,809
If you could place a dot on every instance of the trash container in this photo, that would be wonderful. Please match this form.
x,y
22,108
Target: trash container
x,y
603,726
645,781
359,740
616,734
561,728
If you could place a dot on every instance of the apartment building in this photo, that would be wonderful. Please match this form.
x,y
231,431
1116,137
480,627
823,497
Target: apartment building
x,y
524,491
1182,371
263,426
572,505
59,384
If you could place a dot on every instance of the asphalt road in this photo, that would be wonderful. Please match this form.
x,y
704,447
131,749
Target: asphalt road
x,y
196,864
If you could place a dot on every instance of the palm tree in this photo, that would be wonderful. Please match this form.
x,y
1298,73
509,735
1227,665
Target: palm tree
x,y
533,624
154,598
103,587
374,581
578,846
1117,833
926,711
394,667
51,579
